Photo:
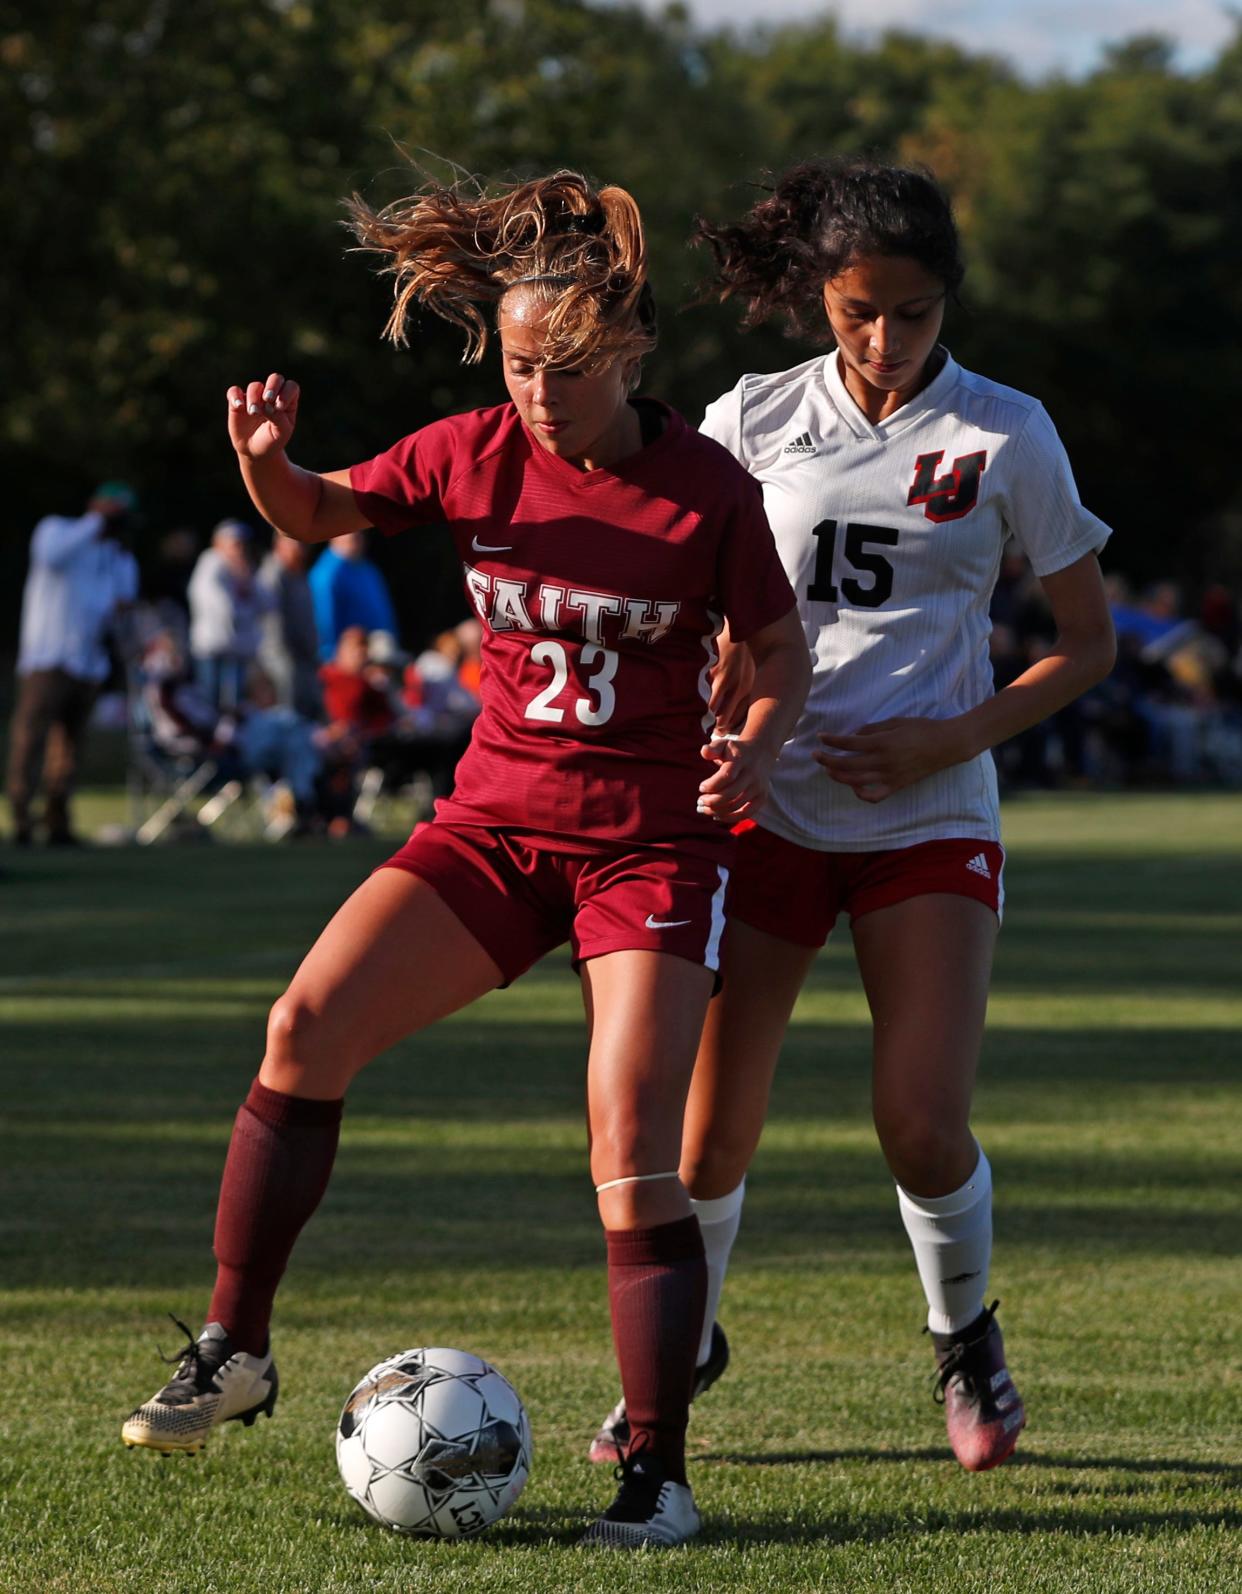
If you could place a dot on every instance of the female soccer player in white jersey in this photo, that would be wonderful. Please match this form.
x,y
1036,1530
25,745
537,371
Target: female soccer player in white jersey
x,y
893,480
601,541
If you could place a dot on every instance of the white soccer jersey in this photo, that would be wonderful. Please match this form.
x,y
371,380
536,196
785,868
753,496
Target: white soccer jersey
x,y
892,536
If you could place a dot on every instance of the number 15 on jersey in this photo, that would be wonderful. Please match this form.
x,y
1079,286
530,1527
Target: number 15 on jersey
x,y
861,541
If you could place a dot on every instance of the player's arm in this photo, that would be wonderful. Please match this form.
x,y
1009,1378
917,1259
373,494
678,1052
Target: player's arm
x,y
733,680
300,503
1083,653
57,539
883,758
782,678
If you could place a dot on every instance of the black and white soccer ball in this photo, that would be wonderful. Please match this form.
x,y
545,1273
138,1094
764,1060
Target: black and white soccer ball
x,y
434,1442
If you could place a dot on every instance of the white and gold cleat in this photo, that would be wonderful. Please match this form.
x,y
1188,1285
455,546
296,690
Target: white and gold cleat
x,y
213,1384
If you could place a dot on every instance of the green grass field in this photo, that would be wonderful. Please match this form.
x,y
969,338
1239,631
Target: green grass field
x,y
133,988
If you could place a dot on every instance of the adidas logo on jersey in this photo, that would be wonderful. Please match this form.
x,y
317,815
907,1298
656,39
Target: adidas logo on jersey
x,y
800,445
979,865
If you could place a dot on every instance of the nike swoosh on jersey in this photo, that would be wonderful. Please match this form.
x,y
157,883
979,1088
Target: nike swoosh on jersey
x,y
487,547
666,924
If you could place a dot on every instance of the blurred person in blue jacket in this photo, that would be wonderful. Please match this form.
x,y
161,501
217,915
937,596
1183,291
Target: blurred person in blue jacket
x,y
349,590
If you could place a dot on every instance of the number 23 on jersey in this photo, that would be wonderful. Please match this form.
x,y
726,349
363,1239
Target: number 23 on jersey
x,y
591,710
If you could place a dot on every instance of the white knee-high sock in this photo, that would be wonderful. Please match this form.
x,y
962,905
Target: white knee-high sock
x,y
952,1239
719,1220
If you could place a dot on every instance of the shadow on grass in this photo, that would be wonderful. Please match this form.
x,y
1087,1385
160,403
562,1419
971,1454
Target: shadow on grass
x,y
187,1070
98,1206
541,1529
524,1527
1024,1460
874,1528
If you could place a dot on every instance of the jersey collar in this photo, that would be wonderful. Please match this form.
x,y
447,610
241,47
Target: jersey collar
x,y
625,469
932,396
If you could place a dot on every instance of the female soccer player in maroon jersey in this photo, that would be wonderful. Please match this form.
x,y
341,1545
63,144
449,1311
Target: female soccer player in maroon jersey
x,y
601,541
893,479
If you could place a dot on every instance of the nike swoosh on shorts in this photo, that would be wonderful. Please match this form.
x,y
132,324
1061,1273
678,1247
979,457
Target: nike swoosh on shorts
x,y
666,924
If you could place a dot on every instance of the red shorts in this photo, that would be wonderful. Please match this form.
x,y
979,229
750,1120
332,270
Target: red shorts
x,y
521,893
796,893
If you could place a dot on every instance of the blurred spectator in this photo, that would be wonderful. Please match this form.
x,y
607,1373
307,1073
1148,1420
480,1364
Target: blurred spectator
x,y
442,706
260,737
1170,711
80,576
470,670
405,720
1153,619
1023,632
348,591
355,695
442,684
289,649
1220,618
360,712
1154,632
226,607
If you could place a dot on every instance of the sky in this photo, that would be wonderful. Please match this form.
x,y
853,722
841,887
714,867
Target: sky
x,y
1040,36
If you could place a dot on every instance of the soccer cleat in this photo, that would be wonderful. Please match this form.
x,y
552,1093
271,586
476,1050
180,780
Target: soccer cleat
x,y
649,1511
610,1442
982,1408
613,1436
213,1384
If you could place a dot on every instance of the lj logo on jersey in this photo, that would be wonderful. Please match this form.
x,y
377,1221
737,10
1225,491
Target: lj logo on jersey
x,y
953,495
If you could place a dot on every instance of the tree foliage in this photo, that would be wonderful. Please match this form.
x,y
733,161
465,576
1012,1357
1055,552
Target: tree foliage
x,y
172,205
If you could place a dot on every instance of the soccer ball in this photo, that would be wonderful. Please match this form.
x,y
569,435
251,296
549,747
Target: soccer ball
x,y
434,1442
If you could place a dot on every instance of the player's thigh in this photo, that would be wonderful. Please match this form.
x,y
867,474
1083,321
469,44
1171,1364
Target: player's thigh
x,y
737,1057
646,1012
393,959
925,965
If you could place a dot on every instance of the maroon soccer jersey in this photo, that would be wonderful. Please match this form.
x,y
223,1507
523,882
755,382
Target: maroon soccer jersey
x,y
601,594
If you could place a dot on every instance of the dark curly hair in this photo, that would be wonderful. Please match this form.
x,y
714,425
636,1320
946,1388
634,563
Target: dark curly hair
x,y
820,217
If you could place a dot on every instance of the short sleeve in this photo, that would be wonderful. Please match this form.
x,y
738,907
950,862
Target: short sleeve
x,y
406,485
1042,510
722,422
753,588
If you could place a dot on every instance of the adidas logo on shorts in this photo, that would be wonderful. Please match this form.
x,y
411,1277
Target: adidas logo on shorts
x,y
801,445
979,865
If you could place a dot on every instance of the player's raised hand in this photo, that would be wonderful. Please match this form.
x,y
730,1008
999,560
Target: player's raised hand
x,y
262,415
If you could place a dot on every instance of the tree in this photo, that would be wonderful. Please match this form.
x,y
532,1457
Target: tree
x,y
173,199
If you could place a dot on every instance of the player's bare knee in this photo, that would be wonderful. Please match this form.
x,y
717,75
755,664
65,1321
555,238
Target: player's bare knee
x,y
714,1170
290,1027
626,1151
302,1038
925,1156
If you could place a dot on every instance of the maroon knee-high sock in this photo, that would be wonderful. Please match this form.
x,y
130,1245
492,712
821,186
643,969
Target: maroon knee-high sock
x,y
657,1290
277,1169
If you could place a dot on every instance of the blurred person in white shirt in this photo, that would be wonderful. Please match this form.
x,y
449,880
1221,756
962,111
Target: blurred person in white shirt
x,y
227,606
80,575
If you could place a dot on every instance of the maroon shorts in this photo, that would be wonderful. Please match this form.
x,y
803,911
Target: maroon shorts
x,y
796,893
521,893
